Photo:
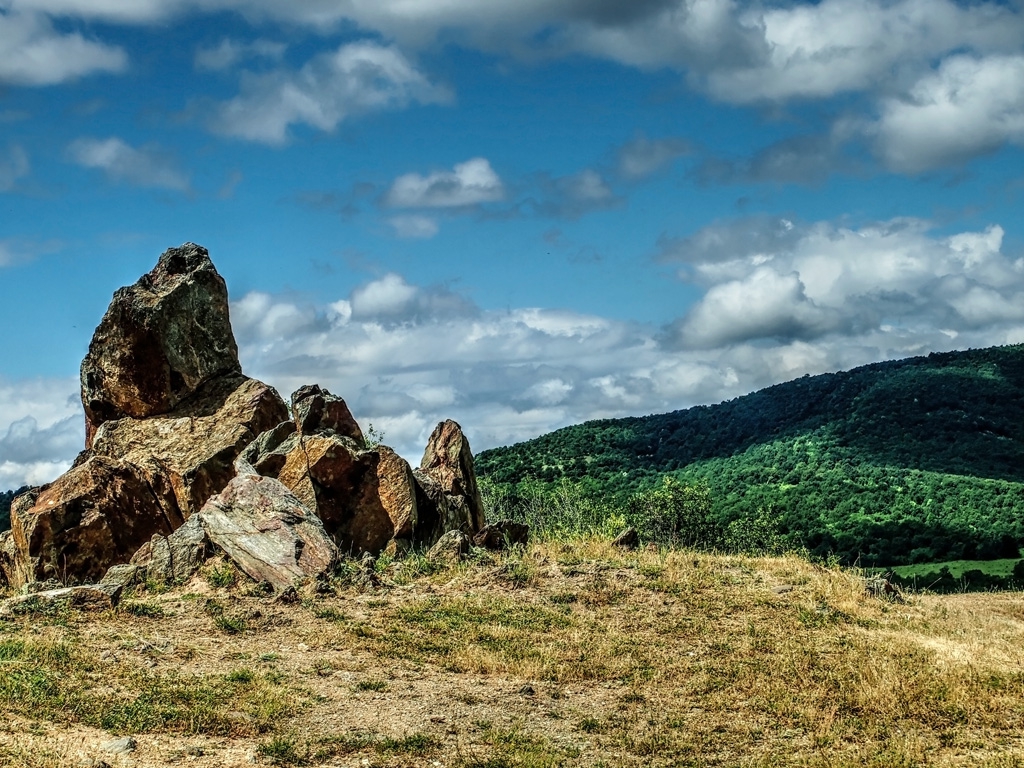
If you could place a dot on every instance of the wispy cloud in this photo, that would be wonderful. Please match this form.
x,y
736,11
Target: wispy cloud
x,y
355,79
141,167
14,165
34,53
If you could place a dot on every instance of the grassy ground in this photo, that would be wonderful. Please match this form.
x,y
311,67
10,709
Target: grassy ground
x,y
568,654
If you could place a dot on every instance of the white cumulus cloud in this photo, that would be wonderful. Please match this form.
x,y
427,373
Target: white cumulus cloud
x,y
469,183
969,107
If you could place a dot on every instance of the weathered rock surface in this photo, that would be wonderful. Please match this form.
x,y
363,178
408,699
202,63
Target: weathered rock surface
x,y
450,548
167,412
317,410
448,496
261,526
95,515
7,551
160,340
502,535
192,449
89,597
175,558
365,497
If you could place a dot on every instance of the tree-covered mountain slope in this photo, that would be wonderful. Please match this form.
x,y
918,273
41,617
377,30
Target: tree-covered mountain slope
x,y
904,461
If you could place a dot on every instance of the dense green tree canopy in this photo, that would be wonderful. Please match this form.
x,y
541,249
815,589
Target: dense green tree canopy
x,y
915,460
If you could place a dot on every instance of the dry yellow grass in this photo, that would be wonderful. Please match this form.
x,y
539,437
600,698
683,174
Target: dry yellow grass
x,y
569,654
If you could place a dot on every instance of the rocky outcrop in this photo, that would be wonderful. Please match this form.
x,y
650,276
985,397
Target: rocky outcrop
x,y
192,449
159,342
447,493
365,497
167,413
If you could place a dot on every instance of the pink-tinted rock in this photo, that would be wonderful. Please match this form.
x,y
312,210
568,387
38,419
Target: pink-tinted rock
x,y
263,528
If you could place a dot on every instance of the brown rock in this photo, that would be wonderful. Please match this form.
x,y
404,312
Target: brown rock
x,y
87,597
7,552
95,515
502,535
448,490
191,450
267,532
318,411
160,341
628,539
450,548
396,488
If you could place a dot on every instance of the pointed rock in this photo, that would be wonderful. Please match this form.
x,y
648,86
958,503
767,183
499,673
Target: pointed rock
x,y
447,482
160,341
318,411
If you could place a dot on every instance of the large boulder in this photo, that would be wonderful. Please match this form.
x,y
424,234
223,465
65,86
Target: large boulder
x,y
448,496
160,341
263,528
192,449
97,514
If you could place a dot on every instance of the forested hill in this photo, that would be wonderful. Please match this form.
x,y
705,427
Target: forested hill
x,y
6,497
903,461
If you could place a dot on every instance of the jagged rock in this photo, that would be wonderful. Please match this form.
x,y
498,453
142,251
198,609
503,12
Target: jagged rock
x,y
396,488
89,597
502,534
264,454
267,532
7,551
123,576
450,548
160,341
95,515
167,412
628,539
317,411
192,449
175,558
448,497
364,497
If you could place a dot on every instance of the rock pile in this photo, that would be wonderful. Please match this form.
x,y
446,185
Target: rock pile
x,y
170,415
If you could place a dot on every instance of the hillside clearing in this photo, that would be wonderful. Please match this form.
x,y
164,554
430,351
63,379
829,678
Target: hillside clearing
x,y
568,654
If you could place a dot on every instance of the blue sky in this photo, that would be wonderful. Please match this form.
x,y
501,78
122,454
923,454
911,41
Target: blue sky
x,y
520,214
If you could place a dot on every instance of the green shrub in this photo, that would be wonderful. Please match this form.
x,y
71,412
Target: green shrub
x,y
676,515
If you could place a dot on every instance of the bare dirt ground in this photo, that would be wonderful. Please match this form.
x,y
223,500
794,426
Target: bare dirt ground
x,y
567,654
